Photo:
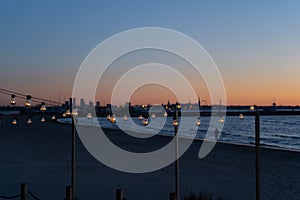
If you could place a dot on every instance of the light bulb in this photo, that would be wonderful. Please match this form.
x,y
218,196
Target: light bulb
x,y
29,121
13,100
43,120
43,107
14,121
28,101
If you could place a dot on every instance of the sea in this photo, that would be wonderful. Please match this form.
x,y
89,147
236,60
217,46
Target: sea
x,y
279,131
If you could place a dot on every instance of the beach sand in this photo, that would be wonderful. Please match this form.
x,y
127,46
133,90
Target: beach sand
x,y
39,154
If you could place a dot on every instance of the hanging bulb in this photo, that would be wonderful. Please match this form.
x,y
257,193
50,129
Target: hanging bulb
x,y
13,100
145,122
75,112
43,107
53,117
140,117
29,121
221,120
89,116
113,119
14,121
28,101
43,120
175,122
68,113
198,122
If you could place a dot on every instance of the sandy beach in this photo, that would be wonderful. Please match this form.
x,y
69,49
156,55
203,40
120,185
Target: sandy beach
x,y
39,154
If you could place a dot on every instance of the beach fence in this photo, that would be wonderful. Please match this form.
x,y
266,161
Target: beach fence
x,y
23,195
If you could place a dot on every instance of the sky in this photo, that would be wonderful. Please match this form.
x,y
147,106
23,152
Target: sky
x,y
255,44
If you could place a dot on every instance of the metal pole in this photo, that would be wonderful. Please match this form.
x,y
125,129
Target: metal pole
x,y
172,196
257,151
119,194
177,159
73,151
69,192
24,191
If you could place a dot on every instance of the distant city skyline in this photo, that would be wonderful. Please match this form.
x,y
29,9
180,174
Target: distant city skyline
x,y
255,44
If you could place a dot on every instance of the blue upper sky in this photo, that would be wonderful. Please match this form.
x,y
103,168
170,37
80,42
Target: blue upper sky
x,y
254,43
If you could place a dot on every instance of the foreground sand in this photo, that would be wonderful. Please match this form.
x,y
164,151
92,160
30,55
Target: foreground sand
x,y
39,154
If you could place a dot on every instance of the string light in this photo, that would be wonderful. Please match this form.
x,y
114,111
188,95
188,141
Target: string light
x,y
13,100
68,113
14,121
28,101
89,116
53,117
29,121
43,120
113,119
175,122
43,107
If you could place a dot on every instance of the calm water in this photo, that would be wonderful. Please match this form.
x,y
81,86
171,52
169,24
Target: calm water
x,y
276,131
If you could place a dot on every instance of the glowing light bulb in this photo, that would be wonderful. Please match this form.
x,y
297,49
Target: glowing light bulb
x,y
140,117
68,113
145,122
29,121
28,101
43,107
14,121
43,120
13,100
175,122
89,116
113,119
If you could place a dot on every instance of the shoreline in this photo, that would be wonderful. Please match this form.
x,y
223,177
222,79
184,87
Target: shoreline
x,y
263,146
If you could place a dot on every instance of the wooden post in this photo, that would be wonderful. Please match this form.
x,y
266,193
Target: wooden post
x,y
73,150
69,193
119,194
24,191
172,196
177,159
257,152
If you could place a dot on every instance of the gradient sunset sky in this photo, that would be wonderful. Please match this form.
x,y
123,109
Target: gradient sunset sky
x,y
255,44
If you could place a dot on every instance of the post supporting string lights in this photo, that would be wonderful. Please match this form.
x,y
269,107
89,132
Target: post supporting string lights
x,y
41,110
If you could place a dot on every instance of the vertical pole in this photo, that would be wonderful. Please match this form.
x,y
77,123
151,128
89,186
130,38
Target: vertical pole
x,y
24,191
257,150
119,194
177,159
73,150
69,193
172,196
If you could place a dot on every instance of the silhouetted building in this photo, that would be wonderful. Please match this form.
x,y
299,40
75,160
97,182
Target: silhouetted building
x,y
91,104
98,105
82,103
